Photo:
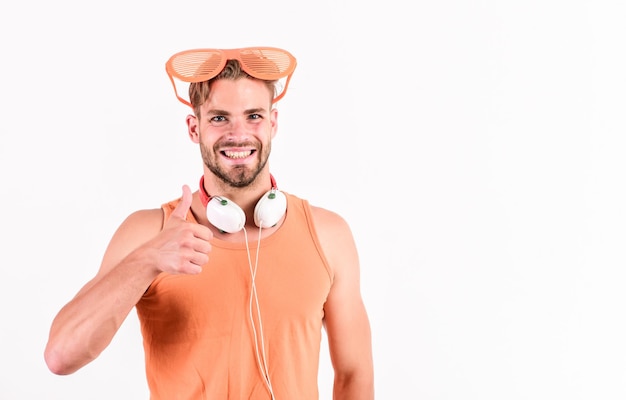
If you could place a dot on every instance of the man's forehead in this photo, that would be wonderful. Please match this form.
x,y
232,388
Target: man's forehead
x,y
238,94
241,84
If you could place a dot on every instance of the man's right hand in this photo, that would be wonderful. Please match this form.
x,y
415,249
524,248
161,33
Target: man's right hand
x,y
182,247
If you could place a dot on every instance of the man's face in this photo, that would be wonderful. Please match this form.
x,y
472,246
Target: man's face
x,y
236,128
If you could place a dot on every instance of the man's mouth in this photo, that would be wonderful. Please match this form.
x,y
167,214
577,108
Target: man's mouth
x,y
237,154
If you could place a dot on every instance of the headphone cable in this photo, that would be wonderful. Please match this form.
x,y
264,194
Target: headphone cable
x,y
253,294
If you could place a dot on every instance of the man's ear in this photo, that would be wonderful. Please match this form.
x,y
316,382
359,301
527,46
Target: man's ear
x,y
193,128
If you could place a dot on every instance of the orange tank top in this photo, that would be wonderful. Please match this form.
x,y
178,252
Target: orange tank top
x,y
198,336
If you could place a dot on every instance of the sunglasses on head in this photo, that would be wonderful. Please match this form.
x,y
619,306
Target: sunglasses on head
x,y
199,65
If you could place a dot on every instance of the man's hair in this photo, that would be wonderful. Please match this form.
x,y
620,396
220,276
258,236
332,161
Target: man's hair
x,y
199,91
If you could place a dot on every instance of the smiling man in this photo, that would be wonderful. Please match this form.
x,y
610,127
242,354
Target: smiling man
x,y
234,282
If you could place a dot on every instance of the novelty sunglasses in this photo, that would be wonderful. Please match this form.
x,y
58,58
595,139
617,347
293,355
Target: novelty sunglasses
x,y
199,65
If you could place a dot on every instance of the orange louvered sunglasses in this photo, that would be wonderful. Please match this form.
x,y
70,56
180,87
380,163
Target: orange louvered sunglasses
x,y
199,65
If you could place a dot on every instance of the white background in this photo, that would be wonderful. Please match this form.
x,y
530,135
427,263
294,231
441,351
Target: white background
x,y
475,147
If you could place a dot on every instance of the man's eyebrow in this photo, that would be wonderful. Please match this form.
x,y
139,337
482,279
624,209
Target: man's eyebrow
x,y
258,110
217,112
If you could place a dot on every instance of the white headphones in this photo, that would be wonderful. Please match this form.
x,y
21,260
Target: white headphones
x,y
227,216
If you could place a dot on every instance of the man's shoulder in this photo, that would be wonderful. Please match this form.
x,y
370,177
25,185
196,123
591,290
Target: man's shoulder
x,y
136,229
146,221
321,215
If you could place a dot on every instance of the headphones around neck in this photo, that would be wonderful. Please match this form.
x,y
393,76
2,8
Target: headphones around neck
x,y
227,216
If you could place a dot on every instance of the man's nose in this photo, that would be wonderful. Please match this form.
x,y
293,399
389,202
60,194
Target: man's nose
x,y
238,127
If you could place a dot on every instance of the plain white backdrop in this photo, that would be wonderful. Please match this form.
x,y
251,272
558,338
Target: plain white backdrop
x,y
476,149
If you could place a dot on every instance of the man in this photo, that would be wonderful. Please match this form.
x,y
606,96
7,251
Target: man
x,y
234,282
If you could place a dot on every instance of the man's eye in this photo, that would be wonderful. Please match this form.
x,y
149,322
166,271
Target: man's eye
x,y
218,120
255,116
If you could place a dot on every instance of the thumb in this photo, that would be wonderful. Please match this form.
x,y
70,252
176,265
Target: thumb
x,y
182,208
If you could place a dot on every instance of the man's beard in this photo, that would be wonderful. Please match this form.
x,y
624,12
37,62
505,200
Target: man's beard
x,y
239,176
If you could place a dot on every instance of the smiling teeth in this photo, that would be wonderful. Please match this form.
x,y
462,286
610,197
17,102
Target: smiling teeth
x,y
237,154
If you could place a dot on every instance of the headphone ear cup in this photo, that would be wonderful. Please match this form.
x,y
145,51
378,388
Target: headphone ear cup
x,y
225,215
270,209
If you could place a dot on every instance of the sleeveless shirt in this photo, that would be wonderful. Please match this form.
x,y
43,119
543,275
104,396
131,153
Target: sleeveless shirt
x,y
199,330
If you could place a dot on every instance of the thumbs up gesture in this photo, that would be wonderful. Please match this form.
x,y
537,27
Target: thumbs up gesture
x,y
182,246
